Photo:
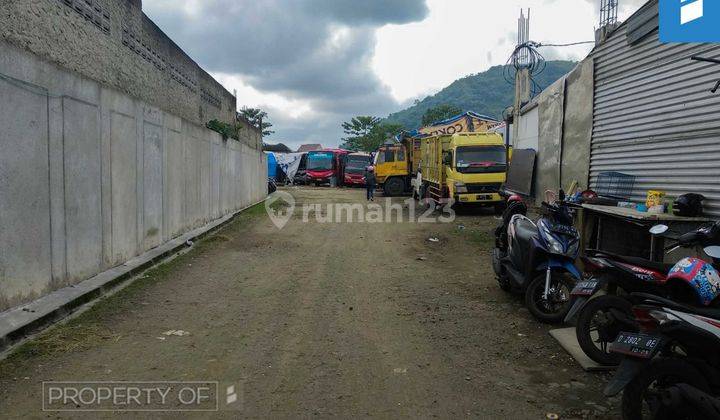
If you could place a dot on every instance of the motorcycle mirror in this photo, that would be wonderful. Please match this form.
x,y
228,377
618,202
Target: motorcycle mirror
x,y
659,229
713,251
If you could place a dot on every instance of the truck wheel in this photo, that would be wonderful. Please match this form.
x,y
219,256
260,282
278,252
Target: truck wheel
x,y
394,187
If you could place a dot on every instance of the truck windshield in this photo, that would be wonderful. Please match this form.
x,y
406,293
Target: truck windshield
x,y
481,159
320,161
357,164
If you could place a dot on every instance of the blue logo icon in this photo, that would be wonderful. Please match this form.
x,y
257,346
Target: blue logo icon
x,y
689,21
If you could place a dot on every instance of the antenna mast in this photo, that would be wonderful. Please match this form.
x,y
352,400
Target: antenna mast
x,y
522,63
524,37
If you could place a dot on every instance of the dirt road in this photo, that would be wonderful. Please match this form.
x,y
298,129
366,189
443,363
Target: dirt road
x,y
327,320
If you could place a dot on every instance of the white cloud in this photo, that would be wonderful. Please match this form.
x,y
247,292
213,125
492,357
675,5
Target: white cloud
x,y
250,97
315,63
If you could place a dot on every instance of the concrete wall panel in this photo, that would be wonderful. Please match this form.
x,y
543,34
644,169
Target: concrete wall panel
x,y
563,115
215,190
192,181
205,181
527,129
83,217
152,185
547,170
25,256
175,181
90,177
578,125
123,152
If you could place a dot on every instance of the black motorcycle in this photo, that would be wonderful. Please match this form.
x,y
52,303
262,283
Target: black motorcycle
x,y
691,402
601,319
538,259
676,344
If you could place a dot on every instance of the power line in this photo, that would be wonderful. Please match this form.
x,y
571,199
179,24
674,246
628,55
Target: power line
x,y
564,45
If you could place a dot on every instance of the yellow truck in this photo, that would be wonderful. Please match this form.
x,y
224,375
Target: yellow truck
x,y
396,164
468,168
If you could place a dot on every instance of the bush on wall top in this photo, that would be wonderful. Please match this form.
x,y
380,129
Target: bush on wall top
x,y
226,130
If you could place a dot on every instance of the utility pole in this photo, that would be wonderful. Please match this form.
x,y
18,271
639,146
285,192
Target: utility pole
x,y
523,89
522,77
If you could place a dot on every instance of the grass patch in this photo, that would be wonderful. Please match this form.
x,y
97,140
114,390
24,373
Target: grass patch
x,y
90,328
482,238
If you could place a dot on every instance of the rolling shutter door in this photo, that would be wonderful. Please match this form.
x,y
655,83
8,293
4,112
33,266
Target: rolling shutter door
x,y
655,118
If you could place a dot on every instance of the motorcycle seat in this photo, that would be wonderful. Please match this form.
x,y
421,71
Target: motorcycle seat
x,y
525,230
661,267
713,313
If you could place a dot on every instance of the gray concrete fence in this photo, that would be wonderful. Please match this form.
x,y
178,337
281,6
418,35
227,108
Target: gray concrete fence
x,y
91,177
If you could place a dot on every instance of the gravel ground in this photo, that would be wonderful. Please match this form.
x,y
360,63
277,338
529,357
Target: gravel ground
x,y
322,320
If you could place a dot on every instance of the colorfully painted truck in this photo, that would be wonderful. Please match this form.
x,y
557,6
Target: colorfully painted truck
x,y
397,163
468,168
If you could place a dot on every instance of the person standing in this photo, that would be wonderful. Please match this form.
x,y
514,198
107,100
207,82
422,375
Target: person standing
x,y
370,182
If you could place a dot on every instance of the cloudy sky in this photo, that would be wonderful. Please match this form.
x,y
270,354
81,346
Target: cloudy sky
x,y
315,63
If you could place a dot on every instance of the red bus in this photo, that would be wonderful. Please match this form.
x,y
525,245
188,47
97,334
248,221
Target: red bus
x,y
326,166
355,168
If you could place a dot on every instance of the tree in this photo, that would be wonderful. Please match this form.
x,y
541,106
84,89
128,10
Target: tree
x,y
379,134
439,113
258,119
360,126
367,133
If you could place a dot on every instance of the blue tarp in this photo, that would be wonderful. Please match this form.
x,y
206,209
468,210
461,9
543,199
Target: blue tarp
x,y
272,165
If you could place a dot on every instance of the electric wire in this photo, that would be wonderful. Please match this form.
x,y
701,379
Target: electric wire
x,y
526,56
542,44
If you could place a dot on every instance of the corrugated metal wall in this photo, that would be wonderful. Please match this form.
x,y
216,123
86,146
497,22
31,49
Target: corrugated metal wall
x,y
655,118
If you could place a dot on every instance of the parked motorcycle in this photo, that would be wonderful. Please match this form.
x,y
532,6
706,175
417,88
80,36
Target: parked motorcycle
x,y
538,259
691,402
601,319
676,344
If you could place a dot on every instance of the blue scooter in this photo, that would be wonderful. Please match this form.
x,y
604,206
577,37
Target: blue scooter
x,y
538,259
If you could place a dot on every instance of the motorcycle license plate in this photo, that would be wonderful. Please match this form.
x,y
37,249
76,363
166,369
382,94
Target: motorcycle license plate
x,y
634,344
585,288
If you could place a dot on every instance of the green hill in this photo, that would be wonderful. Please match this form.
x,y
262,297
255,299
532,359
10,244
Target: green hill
x,y
486,93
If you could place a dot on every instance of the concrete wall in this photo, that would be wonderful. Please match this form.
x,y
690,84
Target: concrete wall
x,y
578,125
563,114
113,42
527,130
550,119
90,176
